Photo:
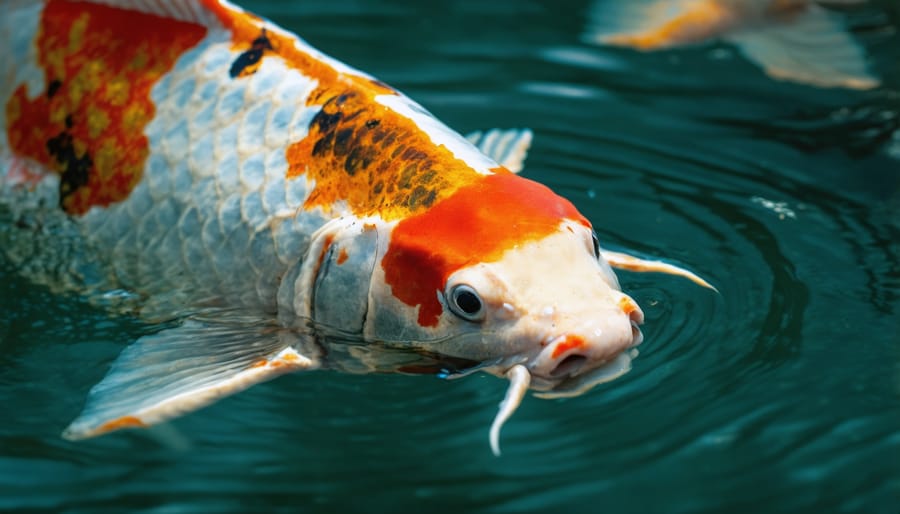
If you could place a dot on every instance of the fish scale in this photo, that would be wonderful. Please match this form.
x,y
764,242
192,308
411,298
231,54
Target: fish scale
x,y
224,212
207,168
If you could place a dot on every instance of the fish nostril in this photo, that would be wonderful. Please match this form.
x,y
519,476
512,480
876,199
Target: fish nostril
x,y
637,337
636,316
568,366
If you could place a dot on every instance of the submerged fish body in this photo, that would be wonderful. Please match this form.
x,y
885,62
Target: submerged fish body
x,y
795,40
193,163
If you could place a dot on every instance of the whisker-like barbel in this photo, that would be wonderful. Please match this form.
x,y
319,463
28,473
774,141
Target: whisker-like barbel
x,y
519,380
631,263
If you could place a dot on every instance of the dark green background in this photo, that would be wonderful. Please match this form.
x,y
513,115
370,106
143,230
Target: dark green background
x,y
782,394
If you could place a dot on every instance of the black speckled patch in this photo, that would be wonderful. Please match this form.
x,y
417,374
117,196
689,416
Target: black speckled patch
x,y
248,62
76,168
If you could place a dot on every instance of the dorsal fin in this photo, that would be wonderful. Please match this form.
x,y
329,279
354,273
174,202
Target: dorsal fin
x,y
508,147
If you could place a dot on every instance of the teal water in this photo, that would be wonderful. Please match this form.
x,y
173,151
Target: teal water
x,y
781,394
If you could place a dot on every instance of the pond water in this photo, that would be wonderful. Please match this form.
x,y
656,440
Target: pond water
x,y
780,394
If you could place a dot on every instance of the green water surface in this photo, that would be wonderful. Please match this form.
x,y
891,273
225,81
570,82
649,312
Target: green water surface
x,y
781,394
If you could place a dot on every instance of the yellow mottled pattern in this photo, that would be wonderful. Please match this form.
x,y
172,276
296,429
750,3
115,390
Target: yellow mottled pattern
x,y
88,122
358,152
377,161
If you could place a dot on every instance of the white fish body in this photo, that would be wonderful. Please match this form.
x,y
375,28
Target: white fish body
x,y
195,164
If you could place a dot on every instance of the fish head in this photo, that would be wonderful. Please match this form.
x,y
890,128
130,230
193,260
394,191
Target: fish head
x,y
552,305
506,274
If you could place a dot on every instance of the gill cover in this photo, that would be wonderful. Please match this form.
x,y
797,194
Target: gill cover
x,y
341,261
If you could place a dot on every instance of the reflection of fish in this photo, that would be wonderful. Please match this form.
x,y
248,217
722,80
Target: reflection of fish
x,y
796,40
200,166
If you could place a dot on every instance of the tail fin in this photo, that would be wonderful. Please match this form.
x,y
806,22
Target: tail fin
x,y
655,24
814,49
809,44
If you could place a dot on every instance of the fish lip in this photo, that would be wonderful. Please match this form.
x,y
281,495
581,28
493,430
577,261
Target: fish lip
x,y
579,375
582,382
569,383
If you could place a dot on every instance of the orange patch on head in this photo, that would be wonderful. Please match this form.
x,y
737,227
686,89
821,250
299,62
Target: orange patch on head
x,y
477,223
123,422
99,64
343,256
569,343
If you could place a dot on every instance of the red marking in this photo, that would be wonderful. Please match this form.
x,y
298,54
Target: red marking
x,y
478,223
287,359
328,240
99,65
627,305
258,364
343,256
24,171
570,343
123,422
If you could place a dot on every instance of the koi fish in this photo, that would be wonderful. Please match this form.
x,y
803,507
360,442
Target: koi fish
x,y
793,40
277,211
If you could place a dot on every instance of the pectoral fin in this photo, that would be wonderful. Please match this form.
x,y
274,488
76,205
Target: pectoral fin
x,y
628,262
182,369
507,147
813,49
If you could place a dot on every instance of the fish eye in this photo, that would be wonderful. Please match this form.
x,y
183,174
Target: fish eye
x,y
465,303
596,244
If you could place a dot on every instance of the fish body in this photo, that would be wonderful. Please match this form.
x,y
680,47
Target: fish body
x,y
193,163
794,40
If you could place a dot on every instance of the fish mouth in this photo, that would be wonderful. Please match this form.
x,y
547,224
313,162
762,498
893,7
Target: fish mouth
x,y
573,376
576,374
578,383
521,380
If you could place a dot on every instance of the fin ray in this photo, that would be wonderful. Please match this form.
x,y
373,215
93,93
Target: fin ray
x,y
508,147
182,369
815,49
